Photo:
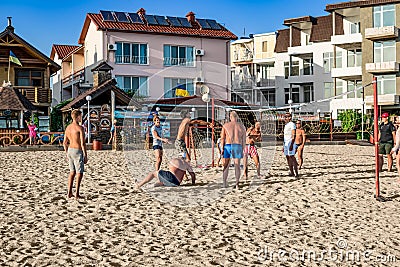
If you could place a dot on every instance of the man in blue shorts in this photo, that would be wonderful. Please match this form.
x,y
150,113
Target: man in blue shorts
x,y
233,140
289,145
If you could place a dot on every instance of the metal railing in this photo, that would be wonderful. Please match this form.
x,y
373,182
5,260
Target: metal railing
x,y
132,60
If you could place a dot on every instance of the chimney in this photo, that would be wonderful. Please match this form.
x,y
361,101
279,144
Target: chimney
x,y
141,11
10,27
190,17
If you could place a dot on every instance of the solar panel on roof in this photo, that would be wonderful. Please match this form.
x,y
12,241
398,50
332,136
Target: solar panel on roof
x,y
151,20
121,17
135,18
203,23
161,20
185,22
213,24
174,21
107,15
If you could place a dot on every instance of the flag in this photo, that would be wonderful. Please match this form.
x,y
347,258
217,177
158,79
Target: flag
x,y
14,59
180,91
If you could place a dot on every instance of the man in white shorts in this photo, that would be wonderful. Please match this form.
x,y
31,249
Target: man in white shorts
x,y
289,145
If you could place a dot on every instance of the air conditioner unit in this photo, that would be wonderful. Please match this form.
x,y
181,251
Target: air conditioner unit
x,y
199,52
199,80
112,47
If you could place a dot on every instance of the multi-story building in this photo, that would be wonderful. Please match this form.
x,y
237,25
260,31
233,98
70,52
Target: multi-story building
x,y
253,72
151,55
370,41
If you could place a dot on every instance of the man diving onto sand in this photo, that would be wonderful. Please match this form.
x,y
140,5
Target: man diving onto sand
x,y
172,177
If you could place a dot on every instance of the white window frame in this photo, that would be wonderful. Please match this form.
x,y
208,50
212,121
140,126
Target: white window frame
x,y
130,59
356,54
170,83
384,47
328,61
308,88
383,86
179,61
383,11
143,88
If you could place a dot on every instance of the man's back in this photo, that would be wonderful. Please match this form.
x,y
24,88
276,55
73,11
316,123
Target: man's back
x,y
234,132
183,127
179,168
74,133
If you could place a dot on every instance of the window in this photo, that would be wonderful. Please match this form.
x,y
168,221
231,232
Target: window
x,y
265,46
384,16
133,85
308,66
351,86
295,95
308,93
339,88
328,61
269,96
338,59
354,27
286,66
171,84
295,70
354,58
178,55
384,51
25,77
328,90
131,53
386,84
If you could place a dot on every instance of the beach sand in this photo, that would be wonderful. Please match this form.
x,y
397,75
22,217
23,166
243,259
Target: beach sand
x,y
330,207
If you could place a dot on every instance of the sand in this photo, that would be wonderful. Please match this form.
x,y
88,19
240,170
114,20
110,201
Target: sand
x,y
330,207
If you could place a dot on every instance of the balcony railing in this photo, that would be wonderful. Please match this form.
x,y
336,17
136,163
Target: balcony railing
x,y
346,40
74,77
243,83
242,56
265,83
142,60
171,61
382,67
36,94
379,33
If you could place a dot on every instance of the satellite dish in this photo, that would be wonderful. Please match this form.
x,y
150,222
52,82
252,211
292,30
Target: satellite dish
x,y
204,89
206,97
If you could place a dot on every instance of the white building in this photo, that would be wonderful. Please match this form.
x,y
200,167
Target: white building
x,y
151,55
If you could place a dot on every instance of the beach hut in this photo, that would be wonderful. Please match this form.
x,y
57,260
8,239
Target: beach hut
x,y
14,108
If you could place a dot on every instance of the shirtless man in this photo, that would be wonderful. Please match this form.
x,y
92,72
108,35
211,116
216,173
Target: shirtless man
x,y
75,147
180,143
233,139
300,142
253,135
173,177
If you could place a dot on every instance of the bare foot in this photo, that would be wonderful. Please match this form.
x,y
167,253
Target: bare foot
x,y
79,197
69,195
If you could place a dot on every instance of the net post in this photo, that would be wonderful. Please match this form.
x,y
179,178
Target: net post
x,y
377,189
212,133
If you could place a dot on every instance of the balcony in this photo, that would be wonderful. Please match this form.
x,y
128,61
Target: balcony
x,y
347,41
382,67
73,77
242,56
265,83
303,51
36,95
172,61
387,99
381,33
347,73
243,83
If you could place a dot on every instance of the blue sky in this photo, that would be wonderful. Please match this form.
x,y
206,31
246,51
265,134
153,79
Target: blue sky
x,y
43,23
